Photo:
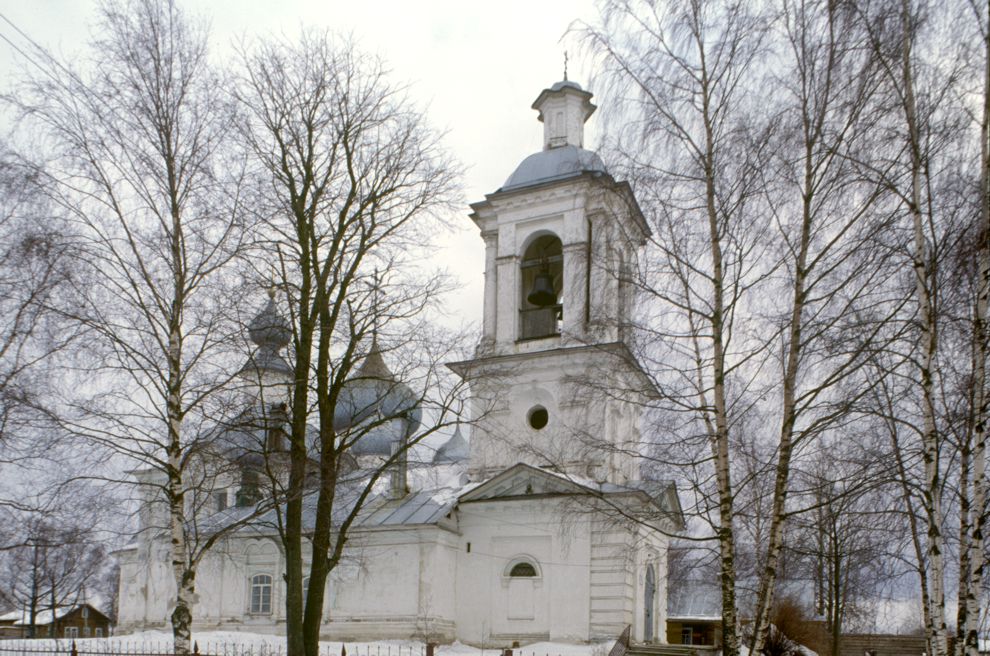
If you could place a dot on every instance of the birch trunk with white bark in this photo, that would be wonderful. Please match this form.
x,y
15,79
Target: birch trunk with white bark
x,y
972,565
720,438
928,345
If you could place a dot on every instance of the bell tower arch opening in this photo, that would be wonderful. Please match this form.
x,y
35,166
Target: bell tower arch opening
x,y
559,235
541,272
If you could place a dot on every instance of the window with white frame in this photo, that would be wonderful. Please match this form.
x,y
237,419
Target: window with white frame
x,y
261,594
98,632
71,632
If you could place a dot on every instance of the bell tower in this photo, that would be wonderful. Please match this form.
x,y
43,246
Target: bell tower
x,y
561,238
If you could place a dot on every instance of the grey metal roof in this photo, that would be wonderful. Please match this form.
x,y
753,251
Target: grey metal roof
x,y
420,507
417,508
554,164
269,328
267,359
245,437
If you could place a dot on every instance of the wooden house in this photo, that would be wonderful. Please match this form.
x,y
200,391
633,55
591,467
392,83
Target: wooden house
x,y
78,621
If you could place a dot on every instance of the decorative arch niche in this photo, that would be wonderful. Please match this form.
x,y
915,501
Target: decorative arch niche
x,y
522,583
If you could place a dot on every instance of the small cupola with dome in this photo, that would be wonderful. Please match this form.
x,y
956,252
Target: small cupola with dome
x,y
266,369
564,108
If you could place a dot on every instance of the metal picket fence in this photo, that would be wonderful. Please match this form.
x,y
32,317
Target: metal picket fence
x,y
97,647
116,647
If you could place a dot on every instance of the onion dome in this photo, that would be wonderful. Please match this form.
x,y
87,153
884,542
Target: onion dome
x,y
453,450
374,395
270,333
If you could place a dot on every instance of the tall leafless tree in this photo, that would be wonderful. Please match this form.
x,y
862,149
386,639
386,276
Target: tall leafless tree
x,y
351,179
136,161
973,493
34,272
834,226
53,568
781,297
926,136
688,67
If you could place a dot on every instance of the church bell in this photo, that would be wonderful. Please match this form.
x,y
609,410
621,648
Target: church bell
x,y
542,294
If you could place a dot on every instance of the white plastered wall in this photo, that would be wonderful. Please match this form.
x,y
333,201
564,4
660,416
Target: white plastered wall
x,y
493,609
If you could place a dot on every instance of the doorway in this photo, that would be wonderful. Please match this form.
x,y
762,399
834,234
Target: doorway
x,y
649,600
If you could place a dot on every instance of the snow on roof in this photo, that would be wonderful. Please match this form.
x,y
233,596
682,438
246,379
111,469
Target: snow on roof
x,y
23,617
436,491
694,600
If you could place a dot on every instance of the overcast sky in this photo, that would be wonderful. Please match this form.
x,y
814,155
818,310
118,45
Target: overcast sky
x,y
476,66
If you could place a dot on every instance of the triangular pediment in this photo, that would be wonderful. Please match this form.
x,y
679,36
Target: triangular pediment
x,y
523,480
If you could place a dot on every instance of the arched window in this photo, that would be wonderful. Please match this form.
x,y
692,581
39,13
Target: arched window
x,y
522,570
542,278
521,567
261,594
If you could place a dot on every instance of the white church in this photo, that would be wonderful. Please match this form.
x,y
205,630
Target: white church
x,y
528,532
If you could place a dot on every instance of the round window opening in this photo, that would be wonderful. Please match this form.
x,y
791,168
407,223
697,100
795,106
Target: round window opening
x,y
538,417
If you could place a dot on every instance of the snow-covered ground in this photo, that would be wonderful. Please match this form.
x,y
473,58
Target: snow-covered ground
x,y
236,643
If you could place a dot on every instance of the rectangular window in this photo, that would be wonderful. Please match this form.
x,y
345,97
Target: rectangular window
x,y
221,499
686,636
71,632
261,594
98,632
85,631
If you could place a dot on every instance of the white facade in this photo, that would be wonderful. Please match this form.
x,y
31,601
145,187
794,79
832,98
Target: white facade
x,y
519,542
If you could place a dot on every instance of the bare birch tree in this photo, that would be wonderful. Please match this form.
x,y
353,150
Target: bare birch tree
x,y
783,294
34,269
689,68
136,142
833,225
973,496
34,272
925,130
